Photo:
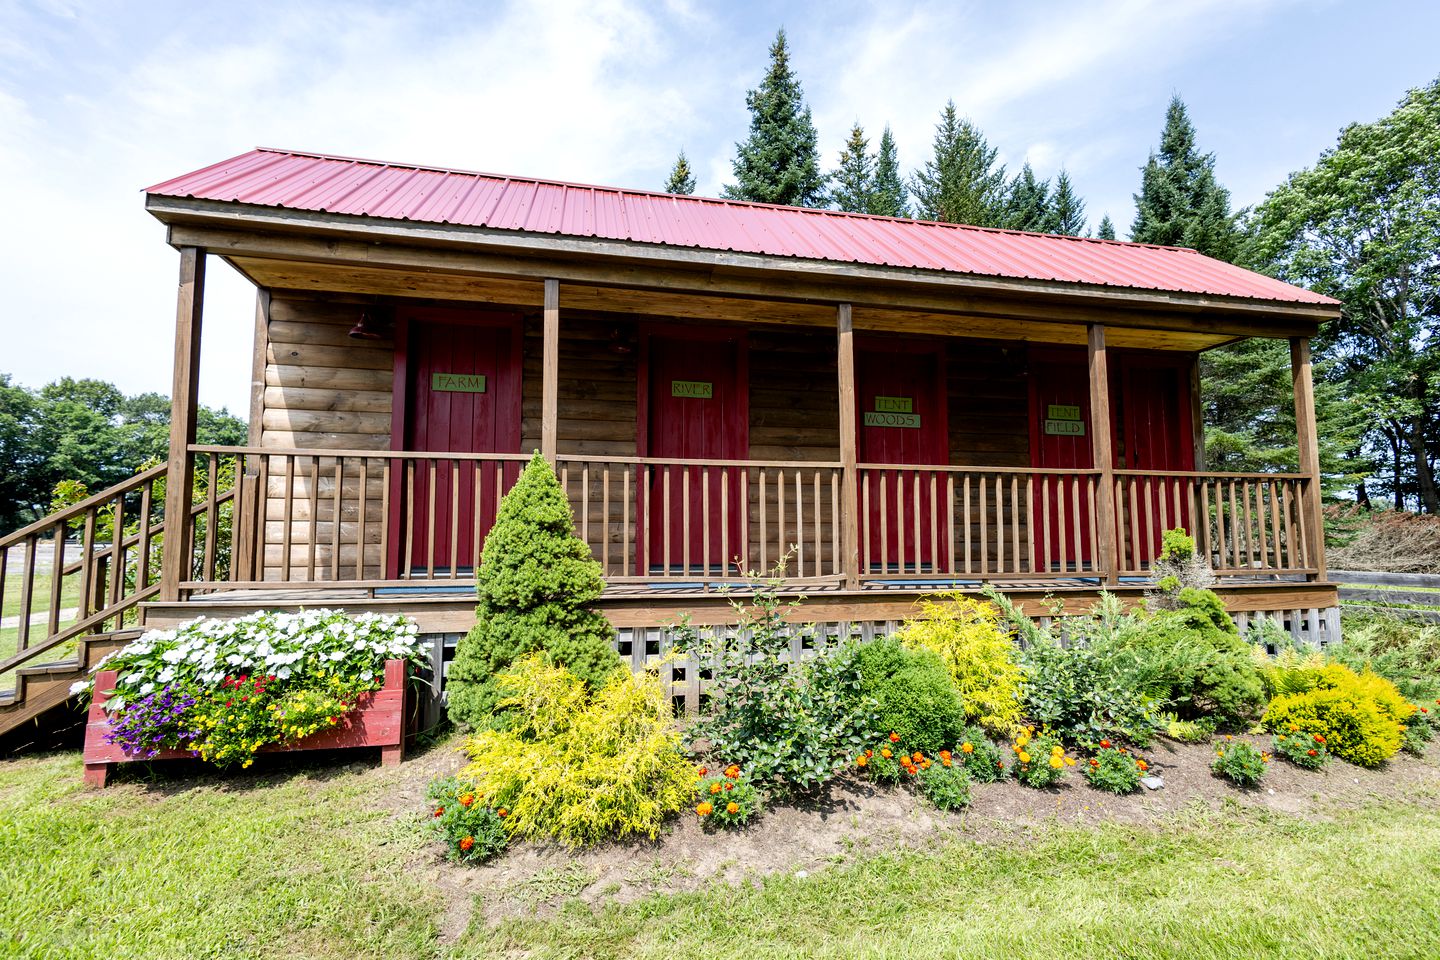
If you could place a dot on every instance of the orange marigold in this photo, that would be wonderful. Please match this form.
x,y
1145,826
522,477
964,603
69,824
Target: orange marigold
x,y
732,771
885,752
894,737
861,760
466,843
732,808
466,799
705,809
714,788
967,748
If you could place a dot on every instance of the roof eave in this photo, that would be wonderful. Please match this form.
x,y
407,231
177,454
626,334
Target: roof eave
x,y
172,211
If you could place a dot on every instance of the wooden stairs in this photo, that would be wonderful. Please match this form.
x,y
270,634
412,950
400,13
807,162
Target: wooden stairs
x,y
45,686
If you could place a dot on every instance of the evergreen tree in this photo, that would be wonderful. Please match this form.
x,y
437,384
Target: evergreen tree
x,y
1027,206
536,583
1067,209
1180,203
682,178
961,183
889,198
779,162
854,179
1106,230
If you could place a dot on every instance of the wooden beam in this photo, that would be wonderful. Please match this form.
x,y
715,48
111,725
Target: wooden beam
x,y
1103,450
184,385
550,373
1307,442
1197,413
849,447
257,364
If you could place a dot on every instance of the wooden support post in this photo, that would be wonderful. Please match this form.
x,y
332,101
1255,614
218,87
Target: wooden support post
x,y
190,299
849,448
550,373
1307,443
1102,449
1197,413
257,369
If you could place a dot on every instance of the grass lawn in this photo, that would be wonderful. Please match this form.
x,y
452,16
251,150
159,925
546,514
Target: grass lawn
x,y
328,862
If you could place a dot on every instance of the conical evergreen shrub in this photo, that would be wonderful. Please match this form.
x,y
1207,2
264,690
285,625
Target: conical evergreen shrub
x,y
536,583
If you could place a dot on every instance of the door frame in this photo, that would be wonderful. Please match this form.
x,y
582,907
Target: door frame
x,y
737,418
1187,406
936,346
400,413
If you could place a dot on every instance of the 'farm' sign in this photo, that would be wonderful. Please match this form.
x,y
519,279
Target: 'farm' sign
x,y
694,389
878,418
457,382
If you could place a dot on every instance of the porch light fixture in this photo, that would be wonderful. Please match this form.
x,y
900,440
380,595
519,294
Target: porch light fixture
x,y
375,323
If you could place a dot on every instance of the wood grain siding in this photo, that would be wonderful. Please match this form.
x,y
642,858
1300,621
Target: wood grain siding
x,y
323,390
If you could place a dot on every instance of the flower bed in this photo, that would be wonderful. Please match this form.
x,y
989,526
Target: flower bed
x,y
224,691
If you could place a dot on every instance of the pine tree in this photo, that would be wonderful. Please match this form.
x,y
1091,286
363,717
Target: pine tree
x,y
536,583
682,178
1027,206
1180,203
1106,230
1067,209
854,179
961,183
780,161
889,197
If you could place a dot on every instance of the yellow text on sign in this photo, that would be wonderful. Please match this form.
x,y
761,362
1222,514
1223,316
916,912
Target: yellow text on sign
x,y
695,389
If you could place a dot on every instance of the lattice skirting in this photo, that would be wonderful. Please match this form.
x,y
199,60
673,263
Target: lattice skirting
x,y
643,647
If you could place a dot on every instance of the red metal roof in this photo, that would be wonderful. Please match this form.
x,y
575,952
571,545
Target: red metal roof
x,y
342,185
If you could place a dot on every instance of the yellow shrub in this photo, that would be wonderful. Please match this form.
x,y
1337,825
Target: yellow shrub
x,y
1386,695
1354,726
581,769
978,650
1289,671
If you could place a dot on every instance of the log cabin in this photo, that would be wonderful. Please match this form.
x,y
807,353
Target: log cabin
x,y
892,407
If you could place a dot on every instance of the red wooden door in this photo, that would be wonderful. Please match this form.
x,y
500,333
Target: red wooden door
x,y
458,372
1060,439
1158,435
696,407
900,394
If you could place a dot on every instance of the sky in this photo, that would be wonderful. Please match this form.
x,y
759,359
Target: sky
x,y
101,99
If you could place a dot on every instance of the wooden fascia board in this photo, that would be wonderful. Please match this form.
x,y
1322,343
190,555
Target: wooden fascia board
x,y
286,234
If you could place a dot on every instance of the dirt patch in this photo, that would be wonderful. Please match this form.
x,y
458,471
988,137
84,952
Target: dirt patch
x,y
855,818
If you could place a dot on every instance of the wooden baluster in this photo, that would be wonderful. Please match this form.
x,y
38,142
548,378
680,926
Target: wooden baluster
x,y
1062,526
837,567
142,560
430,495
815,514
314,526
1075,514
84,595
262,507
665,522
1285,500
117,554
686,557
965,517
1093,522
884,524
725,521
1249,526
1234,529
645,477
950,523
1151,534
934,526
1277,562
408,571
57,578
984,528
1030,520
1202,522
625,537
1045,499
362,511
744,520
605,519
1135,542
212,479
585,505
866,543
704,519
1015,522
1161,496
999,524
335,511
385,519
87,566
27,593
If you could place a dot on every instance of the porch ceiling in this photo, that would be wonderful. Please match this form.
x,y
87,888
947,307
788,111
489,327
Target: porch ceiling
x,y
995,324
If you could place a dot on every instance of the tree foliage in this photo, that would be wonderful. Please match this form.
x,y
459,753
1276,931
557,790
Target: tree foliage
x,y
1106,229
1066,208
961,182
1180,203
537,582
85,431
890,198
1363,225
1027,203
853,184
779,162
682,178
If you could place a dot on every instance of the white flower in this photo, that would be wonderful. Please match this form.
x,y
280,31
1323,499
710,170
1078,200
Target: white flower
x,y
79,686
146,689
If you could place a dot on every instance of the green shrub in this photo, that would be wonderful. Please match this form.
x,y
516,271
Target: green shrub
x,y
979,651
1354,726
536,583
980,756
1189,731
1414,739
727,799
1114,770
1040,762
1239,762
579,766
1302,749
472,830
1087,694
882,764
946,784
791,725
913,694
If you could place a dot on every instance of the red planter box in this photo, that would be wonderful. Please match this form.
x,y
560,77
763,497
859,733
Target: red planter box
x,y
376,720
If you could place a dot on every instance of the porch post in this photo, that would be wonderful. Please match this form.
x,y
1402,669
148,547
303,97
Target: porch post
x,y
1102,450
550,373
180,471
1307,444
850,482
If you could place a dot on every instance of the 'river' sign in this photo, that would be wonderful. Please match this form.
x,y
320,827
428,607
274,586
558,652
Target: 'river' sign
x,y
457,382
694,389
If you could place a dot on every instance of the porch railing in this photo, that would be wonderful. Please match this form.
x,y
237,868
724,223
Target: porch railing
x,y
271,518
